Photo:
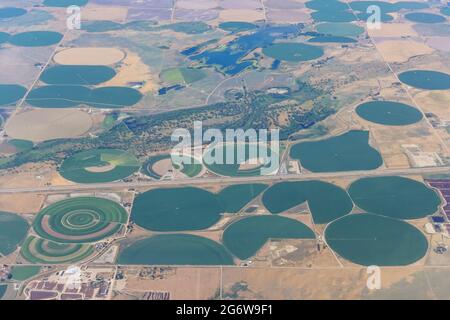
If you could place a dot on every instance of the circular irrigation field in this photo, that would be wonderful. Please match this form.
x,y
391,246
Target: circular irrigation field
x,y
240,160
426,79
80,220
99,165
389,113
369,239
37,250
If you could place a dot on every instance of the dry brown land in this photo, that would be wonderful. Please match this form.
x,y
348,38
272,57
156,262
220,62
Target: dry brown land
x,y
89,56
47,124
402,50
241,15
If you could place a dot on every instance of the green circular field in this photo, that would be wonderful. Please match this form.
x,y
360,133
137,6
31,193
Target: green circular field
x,y
293,52
394,197
426,79
11,12
99,165
176,209
368,239
4,37
77,74
446,11
37,250
340,29
286,195
423,17
237,26
175,249
80,220
36,38
189,169
239,159
246,236
13,229
11,93
346,152
389,113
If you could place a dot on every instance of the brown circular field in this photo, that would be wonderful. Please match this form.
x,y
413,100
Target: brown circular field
x,y
89,56
47,124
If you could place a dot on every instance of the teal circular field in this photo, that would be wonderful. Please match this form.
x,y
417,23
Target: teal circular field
x,y
99,165
11,93
286,195
347,152
293,52
246,236
64,3
423,17
36,38
426,79
237,26
66,96
339,29
11,12
42,251
80,220
333,16
394,197
326,5
240,159
389,113
368,239
176,209
175,249
77,74
13,229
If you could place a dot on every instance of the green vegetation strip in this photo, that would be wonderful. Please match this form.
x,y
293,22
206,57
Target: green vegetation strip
x,y
80,219
13,229
286,195
175,249
37,250
246,236
394,197
99,165
347,152
368,239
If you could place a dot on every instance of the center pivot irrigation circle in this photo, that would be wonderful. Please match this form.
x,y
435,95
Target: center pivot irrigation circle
x,y
80,220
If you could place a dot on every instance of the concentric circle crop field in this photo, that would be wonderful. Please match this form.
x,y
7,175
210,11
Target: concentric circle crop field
x,y
80,220
99,165
37,250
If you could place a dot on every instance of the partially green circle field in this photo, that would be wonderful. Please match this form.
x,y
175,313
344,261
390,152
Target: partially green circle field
x,y
175,249
340,29
240,159
286,195
426,79
246,236
80,220
369,239
389,113
395,197
293,52
99,165
11,12
176,209
42,251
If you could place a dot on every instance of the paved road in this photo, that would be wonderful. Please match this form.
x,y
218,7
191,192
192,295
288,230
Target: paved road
x,y
222,180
